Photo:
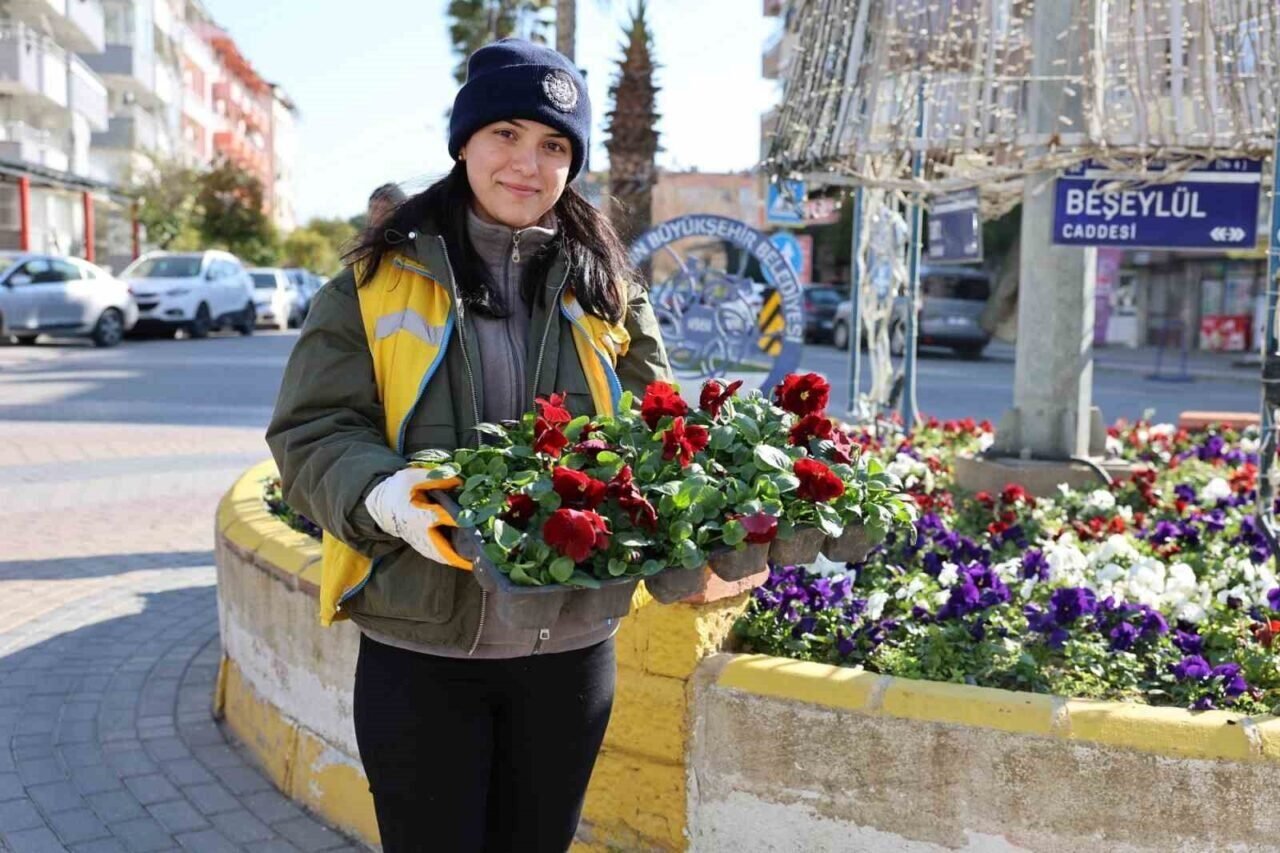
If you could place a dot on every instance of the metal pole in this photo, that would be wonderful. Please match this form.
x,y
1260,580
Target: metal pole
x,y
1270,365
909,403
855,305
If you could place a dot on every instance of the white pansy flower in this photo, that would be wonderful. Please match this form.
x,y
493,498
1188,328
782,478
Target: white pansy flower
x,y
1066,563
1191,612
942,597
875,604
912,589
826,568
1009,570
949,573
1028,587
985,441
1100,500
1114,446
1162,430
1215,490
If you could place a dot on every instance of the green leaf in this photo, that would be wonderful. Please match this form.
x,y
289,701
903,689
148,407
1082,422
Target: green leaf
x,y
772,458
628,402
519,451
561,569
733,532
617,567
584,580
476,480
495,553
652,567
468,518
491,429
633,539
506,535
689,555
681,530
574,429
518,575
443,472
749,428
607,457
430,456
786,482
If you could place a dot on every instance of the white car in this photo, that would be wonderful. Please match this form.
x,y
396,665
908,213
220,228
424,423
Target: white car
x,y
276,299
58,295
195,292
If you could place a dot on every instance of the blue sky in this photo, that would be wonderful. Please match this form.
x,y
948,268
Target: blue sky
x,y
372,80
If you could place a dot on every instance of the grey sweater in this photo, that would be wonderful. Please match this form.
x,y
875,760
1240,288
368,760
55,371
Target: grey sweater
x,y
507,253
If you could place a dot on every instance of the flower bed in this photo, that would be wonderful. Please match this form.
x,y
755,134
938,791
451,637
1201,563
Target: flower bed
x,y
1158,589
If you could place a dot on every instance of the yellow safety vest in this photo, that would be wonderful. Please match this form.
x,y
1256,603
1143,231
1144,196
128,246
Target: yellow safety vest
x,y
408,320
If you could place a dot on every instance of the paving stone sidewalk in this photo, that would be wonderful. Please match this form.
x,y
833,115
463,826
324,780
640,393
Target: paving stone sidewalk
x,y
109,648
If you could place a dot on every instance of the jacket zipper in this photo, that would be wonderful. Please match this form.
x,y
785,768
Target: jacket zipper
x,y
544,634
546,330
475,408
515,246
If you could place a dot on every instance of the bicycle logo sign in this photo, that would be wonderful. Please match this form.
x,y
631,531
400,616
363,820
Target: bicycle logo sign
x,y
714,321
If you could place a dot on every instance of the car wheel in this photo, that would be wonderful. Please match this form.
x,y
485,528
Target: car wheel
x,y
295,320
200,326
109,329
970,351
27,340
898,340
840,336
248,320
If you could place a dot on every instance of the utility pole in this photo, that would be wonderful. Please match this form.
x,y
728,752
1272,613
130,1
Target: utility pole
x,y
1052,416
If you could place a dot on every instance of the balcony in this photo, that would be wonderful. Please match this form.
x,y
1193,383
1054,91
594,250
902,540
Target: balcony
x,y
134,131
20,141
32,66
128,69
77,24
88,94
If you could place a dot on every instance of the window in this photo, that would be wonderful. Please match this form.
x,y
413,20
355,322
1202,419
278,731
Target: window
x,y
165,266
40,271
967,287
66,270
263,280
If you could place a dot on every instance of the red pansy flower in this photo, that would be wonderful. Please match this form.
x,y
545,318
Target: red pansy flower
x,y
592,448
818,483
520,508
715,395
553,411
576,489
622,488
762,528
661,399
576,533
803,393
810,427
682,442
547,438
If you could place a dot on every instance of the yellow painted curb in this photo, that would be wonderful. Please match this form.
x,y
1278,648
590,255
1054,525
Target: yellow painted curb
x,y
245,521
1171,732
815,683
298,762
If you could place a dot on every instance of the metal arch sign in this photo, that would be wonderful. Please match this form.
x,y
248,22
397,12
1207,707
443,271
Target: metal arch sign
x,y
712,321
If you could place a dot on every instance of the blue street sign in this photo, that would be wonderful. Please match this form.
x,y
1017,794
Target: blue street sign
x,y
789,246
955,229
784,203
1214,206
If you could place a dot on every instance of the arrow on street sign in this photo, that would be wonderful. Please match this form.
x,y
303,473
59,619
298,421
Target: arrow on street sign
x,y
1224,234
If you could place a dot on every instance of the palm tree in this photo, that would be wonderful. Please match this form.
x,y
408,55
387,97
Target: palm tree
x,y
475,23
567,27
632,132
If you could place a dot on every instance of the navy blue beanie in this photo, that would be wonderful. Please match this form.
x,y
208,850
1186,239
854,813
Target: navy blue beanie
x,y
513,78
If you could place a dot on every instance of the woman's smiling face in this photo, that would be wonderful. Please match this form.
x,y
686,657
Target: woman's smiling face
x,y
518,169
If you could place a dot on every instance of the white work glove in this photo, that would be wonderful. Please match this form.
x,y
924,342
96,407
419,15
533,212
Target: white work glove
x,y
402,506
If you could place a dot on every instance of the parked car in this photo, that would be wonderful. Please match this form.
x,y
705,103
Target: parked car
x,y
193,291
276,299
308,284
951,304
820,304
58,295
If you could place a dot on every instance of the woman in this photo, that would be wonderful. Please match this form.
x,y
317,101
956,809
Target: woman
x,y
497,285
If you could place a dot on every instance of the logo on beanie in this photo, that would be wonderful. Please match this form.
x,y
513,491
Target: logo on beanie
x,y
560,90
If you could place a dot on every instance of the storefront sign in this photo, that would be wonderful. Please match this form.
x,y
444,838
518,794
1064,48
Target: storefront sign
x,y
716,322
1225,333
1214,206
955,229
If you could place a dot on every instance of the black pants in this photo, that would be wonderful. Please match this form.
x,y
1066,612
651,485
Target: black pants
x,y
480,755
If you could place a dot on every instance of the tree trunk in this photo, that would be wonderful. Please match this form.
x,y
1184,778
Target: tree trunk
x,y
566,27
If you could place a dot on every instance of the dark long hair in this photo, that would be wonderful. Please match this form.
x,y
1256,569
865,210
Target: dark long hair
x,y
598,265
